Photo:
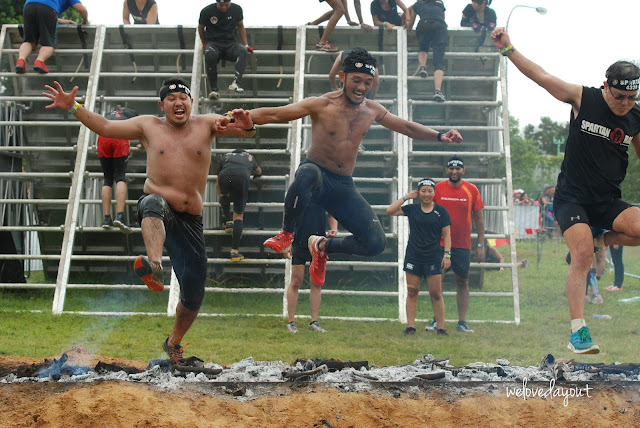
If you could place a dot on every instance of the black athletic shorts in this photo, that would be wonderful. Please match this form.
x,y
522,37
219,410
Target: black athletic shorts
x,y
600,216
460,260
237,187
185,244
425,268
40,24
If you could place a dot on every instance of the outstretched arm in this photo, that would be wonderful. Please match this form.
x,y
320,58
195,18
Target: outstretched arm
x,y
417,131
130,129
569,93
237,123
261,116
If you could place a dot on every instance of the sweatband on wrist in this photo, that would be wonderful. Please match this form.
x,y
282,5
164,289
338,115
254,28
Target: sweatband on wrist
x,y
507,50
440,134
404,198
75,108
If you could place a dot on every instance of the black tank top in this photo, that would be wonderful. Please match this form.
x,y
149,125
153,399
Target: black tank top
x,y
595,158
140,16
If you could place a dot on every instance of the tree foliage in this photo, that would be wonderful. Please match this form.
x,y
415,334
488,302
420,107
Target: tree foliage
x,y
11,11
547,134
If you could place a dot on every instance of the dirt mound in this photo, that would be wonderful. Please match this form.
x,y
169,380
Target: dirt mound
x,y
291,404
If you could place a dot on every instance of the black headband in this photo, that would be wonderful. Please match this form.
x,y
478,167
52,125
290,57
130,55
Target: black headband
x,y
359,67
624,84
455,162
426,182
174,87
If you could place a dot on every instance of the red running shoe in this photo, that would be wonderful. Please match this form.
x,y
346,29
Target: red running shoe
x,y
279,242
318,259
21,66
150,272
40,67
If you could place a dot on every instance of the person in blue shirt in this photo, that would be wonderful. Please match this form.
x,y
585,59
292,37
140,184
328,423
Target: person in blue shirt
x,y
429,223
41,25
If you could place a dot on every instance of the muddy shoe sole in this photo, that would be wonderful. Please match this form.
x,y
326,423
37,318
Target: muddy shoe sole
x,y
144,270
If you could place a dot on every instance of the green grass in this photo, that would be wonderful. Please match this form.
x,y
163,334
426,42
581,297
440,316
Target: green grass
x,y
544,324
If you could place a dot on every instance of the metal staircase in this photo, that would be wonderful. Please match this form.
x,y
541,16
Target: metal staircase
x,y
125,66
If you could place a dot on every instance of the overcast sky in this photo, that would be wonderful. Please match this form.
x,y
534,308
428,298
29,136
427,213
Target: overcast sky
x,y
575,40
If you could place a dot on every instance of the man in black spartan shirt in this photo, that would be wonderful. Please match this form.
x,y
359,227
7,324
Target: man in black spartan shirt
x,y
217,28
604,121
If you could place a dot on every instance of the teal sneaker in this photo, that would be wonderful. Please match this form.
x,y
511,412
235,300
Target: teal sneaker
x,y
432,326
580,342
462,326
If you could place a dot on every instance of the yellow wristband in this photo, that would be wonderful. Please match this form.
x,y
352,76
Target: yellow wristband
x,y
75,108
506,50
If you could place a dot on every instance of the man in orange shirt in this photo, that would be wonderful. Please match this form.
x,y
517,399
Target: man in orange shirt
x,y
464,205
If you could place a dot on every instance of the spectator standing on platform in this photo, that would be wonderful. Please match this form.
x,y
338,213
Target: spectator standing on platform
x,y
464,205
314,224
217,28
178,150
339,121
41,26
142,12
429,223
385,14
604,122
432,33
114,155
233,186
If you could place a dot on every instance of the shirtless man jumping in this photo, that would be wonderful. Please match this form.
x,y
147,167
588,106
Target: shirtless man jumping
x,y
178,150
339,121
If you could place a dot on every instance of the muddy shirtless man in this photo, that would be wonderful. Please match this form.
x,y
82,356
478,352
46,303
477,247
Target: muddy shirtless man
x,y
178,150
339,122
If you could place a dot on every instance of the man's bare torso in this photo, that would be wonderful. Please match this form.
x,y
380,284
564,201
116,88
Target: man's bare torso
x,y
178,161
337,129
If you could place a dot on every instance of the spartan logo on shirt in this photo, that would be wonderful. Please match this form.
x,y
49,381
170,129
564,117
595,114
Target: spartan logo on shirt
x,y
214,20
616,136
